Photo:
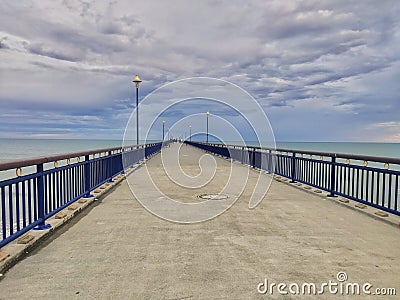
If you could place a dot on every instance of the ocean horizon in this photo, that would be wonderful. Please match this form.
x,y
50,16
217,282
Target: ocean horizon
x,y
14,149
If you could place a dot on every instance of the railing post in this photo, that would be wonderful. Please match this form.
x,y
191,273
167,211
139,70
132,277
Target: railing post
x,y
40,194
270,170
253,159
293,175
333,177
87,177
110,167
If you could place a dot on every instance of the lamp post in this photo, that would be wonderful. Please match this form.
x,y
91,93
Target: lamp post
x,y
190,133
163,131
137,81
207,114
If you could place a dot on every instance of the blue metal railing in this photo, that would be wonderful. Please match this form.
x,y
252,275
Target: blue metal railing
x,y
364,180
27,201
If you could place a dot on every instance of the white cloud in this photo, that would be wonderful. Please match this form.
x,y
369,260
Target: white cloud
x,y
79,56
385,131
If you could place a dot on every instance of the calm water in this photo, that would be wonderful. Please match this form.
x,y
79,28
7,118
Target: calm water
x,y
12,149
374,149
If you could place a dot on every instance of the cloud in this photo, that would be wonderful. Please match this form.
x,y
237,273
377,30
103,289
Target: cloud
x,y
41,49
49,135
300,59
388,131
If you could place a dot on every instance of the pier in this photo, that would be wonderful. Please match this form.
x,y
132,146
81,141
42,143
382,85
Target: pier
x,y
116,249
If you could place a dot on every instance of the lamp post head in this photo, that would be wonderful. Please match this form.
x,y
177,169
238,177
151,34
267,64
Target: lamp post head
x,y
137,80
207,113
163,122
190,126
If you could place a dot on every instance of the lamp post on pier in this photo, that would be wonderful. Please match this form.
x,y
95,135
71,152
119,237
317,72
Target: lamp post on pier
x,y
207,114
190,133
137,81
163,131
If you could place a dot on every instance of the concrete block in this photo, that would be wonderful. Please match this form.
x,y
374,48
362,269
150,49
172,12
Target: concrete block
x,y
72,207
360,205
25,239
344,200
382,214
307,187
60,215
3,255
318,191
82,200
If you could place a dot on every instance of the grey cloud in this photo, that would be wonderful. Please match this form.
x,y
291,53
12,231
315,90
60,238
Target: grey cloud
x,y
40,49
3,45
112,28
285,53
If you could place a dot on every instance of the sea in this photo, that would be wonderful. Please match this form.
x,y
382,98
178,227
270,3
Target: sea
x,y
16,149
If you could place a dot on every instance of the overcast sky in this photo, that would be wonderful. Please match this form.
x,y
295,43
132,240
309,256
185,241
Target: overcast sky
x,y
321,70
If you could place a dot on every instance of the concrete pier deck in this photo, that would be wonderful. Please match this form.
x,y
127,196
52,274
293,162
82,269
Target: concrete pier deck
x,y
119,250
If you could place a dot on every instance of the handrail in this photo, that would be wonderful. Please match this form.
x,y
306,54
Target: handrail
x,y
382,159
20,163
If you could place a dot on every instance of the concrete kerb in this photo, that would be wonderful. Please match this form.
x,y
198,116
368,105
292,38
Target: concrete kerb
x,y
17,250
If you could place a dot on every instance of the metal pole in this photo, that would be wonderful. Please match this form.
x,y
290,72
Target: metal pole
x,y
190,136
110,172
293,175
86,171
41,201
163,133
137,114
207,127
333,177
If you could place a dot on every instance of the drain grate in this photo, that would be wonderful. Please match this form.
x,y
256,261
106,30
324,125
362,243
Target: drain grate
x,y
213,196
